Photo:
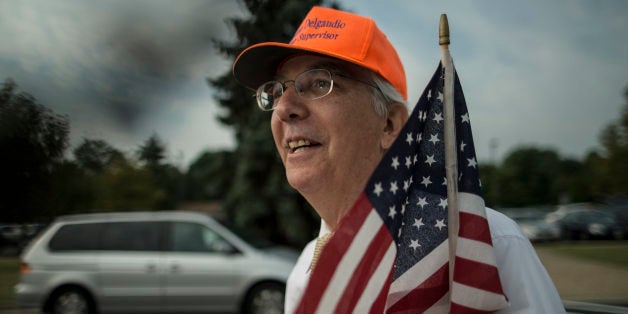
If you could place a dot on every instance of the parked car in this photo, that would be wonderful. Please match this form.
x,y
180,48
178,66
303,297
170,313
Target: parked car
x,y
537,229
532,222
14,237
150,262
585,224
10,232
620,212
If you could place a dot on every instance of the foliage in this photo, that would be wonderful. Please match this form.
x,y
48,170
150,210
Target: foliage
x,y
528,176
94,155
259,197
100,178
614,163
210,176
124,186
166,178
73,190
573,182
152,152
32,140
535,176
490,188
596,168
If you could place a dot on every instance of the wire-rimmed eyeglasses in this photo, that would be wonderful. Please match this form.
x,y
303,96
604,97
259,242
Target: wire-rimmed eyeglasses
x,y
311,84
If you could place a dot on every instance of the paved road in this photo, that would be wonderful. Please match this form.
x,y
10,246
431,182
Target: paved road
x,y
576,280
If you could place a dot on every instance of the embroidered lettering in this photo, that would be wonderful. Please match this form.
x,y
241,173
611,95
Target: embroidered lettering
x,y
316,23
324,35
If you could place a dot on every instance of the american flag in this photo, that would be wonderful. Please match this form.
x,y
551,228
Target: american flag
x,y
391,251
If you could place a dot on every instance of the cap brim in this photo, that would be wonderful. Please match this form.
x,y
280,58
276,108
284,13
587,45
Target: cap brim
x,y
258,63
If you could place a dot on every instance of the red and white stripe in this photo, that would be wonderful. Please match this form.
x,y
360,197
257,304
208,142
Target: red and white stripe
x,y
476,287
355,268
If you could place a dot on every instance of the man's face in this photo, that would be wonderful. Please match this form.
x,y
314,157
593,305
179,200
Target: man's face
x,y
328,145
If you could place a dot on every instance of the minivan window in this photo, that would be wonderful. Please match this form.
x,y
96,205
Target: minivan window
x,y
109,236
76,237
252,239
193,237
130,236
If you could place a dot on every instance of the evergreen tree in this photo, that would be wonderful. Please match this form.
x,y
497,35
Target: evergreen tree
x,y
167,178
153,152
259,197
210,176
613,167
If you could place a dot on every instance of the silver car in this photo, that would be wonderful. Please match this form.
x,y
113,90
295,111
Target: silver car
x,y
150,262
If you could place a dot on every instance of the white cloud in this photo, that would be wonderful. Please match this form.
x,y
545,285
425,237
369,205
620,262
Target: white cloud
x,y
533,72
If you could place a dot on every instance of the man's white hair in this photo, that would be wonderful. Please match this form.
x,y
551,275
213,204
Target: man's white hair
x,y
387,95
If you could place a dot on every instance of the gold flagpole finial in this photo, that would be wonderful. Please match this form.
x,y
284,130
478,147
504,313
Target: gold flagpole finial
x,y
443,31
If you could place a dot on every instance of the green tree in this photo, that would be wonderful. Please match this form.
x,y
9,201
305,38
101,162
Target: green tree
x,y
488,175
210,176
574,182
613,166
259,197
72,190
528,176
152,152
32,141
595,166
123,186
94,155
165,177
169,179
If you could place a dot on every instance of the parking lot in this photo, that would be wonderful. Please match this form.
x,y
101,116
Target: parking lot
x,y
577,280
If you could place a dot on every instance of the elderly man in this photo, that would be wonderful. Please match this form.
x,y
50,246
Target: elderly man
x,y
337,94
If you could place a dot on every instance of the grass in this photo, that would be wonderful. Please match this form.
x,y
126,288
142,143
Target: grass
x,y
9,275
615,252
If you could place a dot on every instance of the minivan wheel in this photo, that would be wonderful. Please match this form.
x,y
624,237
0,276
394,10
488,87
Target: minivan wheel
x,y
265,298
71,301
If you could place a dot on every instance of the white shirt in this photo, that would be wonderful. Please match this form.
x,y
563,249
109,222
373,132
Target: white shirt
x,y
524,279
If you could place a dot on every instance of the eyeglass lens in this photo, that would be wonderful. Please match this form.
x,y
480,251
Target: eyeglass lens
x,y
312,84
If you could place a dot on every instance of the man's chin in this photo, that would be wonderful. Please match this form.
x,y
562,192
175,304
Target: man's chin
x,y
301,181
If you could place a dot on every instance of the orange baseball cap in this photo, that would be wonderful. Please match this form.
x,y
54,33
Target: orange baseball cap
x,y
338,34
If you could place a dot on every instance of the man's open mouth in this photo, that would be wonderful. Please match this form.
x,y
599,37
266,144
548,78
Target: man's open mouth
x,y
297,145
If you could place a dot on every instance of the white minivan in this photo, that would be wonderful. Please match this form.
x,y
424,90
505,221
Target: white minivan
x,y
150,262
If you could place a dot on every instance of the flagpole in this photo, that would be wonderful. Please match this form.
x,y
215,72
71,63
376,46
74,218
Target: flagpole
x,y
451,164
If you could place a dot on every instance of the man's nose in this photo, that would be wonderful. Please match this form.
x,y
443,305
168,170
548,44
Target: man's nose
x,y
291,106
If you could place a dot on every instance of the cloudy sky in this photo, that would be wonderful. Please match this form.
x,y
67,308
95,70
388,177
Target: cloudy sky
x,y
545,73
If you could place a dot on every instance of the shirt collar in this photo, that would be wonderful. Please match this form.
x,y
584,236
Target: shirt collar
x,y
324,229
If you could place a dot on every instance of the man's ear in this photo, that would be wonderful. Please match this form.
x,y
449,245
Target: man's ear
x,y
397,117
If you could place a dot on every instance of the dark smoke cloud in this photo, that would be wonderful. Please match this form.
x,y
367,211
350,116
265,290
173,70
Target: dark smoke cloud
x,y
164,44
155,49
